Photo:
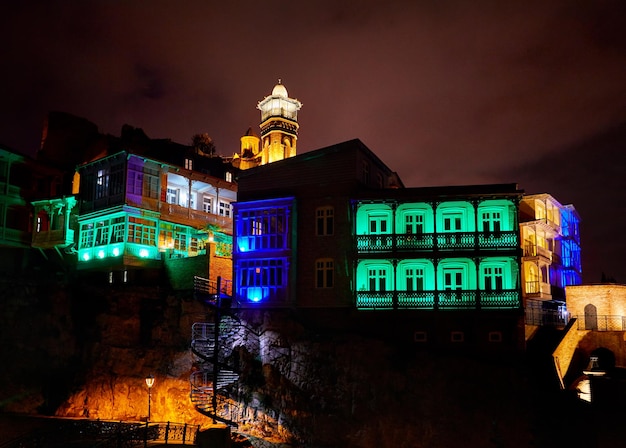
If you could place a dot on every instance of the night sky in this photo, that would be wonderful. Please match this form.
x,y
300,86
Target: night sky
x,y
444,92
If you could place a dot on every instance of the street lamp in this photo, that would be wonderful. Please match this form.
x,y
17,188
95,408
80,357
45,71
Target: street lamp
x,y
149,383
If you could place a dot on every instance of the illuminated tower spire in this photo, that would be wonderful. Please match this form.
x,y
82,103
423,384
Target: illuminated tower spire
x,y
279,125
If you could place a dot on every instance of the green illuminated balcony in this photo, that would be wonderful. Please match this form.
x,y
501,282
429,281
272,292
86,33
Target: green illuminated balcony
x,y
429,300
437,241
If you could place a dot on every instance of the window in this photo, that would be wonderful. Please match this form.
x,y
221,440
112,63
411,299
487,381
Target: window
x,y
102,233
151,183
491,221
494,336
414,278
172,195
324,269
377,279
141,231
263,229
189,164
102,184
224,209
494,278
180,238
457,336
324,221
118,228
452,222
134,183
366,172
117,179
207,204
414,224
229,176
261,279
86,235
452,279
420,336
378,224
379,180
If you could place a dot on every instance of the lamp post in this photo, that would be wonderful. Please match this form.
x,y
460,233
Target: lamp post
x,y
149,383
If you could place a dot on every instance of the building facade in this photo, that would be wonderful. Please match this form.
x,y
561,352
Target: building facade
x,y
551,261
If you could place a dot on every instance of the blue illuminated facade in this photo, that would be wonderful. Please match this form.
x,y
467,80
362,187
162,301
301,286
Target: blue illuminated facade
x,y
263,251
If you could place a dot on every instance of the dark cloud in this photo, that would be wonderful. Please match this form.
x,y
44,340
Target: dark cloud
x,y
447,92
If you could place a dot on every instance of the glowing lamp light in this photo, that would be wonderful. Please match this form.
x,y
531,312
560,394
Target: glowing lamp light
x,y
143,253
116,252
255,294
149,383
100,254
86,256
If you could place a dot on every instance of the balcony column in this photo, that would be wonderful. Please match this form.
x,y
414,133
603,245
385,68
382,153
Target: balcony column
x,y
478,291
476,220
435,262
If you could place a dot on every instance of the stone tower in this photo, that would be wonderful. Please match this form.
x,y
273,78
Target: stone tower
x,y
279,125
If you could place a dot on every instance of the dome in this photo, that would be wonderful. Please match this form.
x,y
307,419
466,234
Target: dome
x,y
280,90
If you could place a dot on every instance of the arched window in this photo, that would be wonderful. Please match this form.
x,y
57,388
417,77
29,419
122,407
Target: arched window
x,y
532,278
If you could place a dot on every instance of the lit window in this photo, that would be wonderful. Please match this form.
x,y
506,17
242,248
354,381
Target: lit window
x,y
414,278
224,209
229,176
118,229
207,204
102,233
86,235
263,229
324,221
452,279
261,279
172,195
102,184
377,279
189,164
324,273
414,224
141,231
378,224
452,222
493,278
491,221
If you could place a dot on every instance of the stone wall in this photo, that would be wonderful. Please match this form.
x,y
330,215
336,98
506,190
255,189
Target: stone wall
x,y
609,299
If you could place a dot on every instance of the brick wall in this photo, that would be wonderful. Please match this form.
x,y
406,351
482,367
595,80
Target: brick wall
x,y
608,299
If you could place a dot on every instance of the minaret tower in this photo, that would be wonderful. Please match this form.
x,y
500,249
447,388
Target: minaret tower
x,y
279,125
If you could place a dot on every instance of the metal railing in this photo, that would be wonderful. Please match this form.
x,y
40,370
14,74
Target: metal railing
x,y
441,241
105,434
462,299
601,322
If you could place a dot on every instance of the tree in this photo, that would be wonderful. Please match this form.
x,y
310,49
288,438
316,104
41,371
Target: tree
x,y
203,144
